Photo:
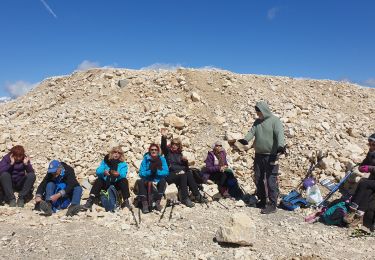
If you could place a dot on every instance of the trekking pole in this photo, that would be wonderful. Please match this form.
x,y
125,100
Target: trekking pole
x,y
170,213
216,200
165,208
200,187
139,215
135,219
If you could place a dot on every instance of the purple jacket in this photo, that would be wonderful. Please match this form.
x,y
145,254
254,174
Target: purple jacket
x,y
210,162
17,170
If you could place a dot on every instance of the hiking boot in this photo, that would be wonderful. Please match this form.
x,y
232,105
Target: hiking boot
x,y
200,199
158,207
188,203
73,210
260,204
21,202
46,207
88,204
145,209
126,204
12,203
270,208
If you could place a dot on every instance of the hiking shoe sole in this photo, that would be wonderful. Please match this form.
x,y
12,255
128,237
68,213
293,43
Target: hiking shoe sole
x,y
46,208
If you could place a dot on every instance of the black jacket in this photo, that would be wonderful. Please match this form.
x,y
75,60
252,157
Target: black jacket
x,y
174,160
69,179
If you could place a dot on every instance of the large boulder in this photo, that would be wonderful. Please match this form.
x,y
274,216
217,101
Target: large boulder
x,y
241,231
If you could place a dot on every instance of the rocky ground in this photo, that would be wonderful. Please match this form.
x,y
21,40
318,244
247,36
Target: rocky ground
x,y
188,235
78,118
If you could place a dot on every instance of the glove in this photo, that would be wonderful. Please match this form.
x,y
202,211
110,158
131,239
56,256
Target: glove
x,y
364,168
243,141
281,150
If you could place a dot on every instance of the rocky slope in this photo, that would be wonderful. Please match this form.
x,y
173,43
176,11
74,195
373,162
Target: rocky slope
x,y
77,119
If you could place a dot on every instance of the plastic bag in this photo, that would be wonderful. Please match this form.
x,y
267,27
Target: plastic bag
x,y
313,195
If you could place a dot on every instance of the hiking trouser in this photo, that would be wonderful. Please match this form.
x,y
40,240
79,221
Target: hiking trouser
x,y
192,184
221,178
266,183
121,185
363,192
142,190
24,187
75,195
181,182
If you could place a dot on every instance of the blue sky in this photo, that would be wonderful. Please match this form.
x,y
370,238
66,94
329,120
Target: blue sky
x,y
314,39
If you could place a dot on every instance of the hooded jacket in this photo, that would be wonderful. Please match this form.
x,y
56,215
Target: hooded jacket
x,y
174,159
268,132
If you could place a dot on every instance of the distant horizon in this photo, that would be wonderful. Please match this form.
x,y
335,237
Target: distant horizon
x,y
319,39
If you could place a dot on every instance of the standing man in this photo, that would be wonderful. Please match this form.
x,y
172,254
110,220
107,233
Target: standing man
x,y
269,141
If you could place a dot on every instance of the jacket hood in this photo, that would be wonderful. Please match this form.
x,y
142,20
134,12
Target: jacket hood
x,y
263,107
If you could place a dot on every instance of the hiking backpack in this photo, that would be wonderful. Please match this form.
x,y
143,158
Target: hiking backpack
x,y
109,198
335,214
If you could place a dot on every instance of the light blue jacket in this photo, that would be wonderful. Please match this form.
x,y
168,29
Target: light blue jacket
x,y
122,169
145,172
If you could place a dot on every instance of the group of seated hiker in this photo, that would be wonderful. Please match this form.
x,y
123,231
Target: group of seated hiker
x,y
60,188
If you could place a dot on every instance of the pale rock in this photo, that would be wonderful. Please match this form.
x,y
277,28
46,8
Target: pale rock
x,y
231,137
326,126
175,121
195,97
241,231
122,83
353,148
171,192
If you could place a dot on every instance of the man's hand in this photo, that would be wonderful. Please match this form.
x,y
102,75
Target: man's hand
x,y
223,168
12,160
55,197
243,141
106,173
183,158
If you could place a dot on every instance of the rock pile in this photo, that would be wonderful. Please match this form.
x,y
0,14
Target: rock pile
x,y
77,118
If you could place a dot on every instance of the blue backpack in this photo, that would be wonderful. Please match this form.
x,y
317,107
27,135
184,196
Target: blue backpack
x,y
293,201
109,198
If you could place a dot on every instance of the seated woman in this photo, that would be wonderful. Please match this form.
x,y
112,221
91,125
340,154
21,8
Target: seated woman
x,y
179,172
366,187
16,173
111,171
153,168
58,190
217,168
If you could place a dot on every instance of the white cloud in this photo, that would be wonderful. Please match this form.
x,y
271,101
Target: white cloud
x,y
370,82
49,9
19,88
162,66
271,13
86,64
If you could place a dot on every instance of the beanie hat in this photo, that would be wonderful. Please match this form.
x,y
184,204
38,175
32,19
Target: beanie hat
x,y
372,138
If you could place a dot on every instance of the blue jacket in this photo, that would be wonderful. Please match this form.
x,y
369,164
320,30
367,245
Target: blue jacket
x,y
122,169
145,172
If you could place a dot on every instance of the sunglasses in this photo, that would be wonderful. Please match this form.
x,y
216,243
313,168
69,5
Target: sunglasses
x,y
116,152
153,150
218,145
